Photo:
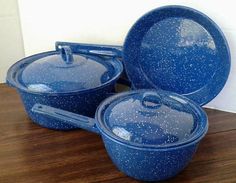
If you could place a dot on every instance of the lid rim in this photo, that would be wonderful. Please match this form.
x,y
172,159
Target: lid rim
x,y
11,79
155,147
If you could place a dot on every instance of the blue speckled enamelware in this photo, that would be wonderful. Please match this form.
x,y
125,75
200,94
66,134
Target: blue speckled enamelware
x,y
92,49
178,49
69,78
150,135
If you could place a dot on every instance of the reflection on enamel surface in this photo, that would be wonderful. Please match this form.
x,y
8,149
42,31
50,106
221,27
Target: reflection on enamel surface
x,y
52,74
39,88
122,133
191,33
132,121
178,54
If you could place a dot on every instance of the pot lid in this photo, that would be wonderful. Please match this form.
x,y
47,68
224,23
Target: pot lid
x,y
152,118
178,49
62,72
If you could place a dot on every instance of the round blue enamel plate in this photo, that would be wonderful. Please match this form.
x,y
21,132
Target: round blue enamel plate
x,y
178,49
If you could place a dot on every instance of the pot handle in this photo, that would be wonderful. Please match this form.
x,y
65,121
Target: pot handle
x,y
151,100
66,116
66,54
92,49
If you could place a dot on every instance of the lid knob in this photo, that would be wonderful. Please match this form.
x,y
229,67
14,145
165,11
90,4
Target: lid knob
x,y
66,54
151,100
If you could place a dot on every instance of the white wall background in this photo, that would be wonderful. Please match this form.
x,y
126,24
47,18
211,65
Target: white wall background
x,y
108,21
11,44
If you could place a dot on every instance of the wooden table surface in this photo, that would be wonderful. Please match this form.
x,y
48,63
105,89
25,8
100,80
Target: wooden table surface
x,y
29,153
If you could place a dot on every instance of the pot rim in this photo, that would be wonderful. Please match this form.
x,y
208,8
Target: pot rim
x,y
199,134
11,78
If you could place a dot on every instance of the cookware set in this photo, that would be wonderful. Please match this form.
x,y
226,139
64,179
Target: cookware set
x,y
176,59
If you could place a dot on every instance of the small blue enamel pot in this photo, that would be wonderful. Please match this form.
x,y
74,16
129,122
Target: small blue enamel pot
x,y
74,77
150,135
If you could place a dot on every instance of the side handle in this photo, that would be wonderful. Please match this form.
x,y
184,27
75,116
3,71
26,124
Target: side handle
x,y
92,49
66,116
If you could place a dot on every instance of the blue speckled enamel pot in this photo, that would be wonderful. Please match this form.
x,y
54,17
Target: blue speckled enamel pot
x,y
69,78
150,135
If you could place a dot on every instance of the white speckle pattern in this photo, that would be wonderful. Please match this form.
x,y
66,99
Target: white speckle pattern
x,y
149,165
81,103
52,74
76,87
168,120
151,142
177,49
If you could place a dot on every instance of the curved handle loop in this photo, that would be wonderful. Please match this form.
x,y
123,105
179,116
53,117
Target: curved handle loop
x,y
66,54
151,100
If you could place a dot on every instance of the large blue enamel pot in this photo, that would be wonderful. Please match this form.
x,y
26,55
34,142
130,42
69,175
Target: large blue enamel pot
x,y
150,135
70,78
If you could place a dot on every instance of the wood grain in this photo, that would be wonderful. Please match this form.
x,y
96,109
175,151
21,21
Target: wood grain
x,y
29,153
